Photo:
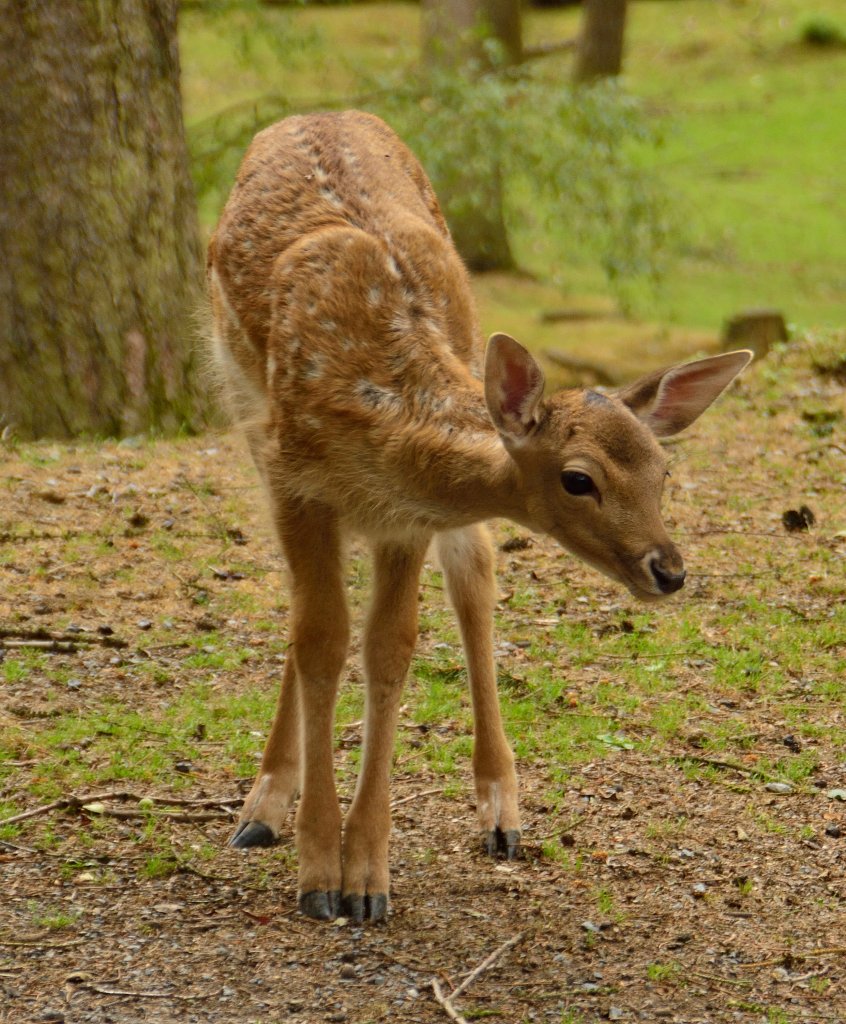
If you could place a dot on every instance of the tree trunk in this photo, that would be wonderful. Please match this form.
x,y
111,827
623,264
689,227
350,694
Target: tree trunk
x,y
100,265
599,49
453,41
454,30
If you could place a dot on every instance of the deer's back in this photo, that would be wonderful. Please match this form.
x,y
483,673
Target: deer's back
x,y
304,181
347,306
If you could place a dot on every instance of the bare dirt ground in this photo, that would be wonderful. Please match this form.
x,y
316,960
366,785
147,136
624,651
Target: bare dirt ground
x,y
673,901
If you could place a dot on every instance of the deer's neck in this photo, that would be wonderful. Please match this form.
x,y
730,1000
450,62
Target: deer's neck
x,y
456,466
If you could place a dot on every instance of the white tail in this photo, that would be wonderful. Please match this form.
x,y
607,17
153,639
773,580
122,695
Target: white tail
x,y
348,338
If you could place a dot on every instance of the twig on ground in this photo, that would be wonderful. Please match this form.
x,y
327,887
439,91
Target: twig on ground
x,y
446,1001
414,796
486,964
66,802
181,816
41,944
221,807
740,982
450,1010
742,769
16,846
108,991
792,954
20,637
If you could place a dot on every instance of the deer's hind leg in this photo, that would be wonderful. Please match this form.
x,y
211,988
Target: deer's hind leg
x,y
389,639
278,780
467,560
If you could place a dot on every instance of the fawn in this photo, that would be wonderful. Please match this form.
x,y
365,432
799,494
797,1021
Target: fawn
x,y
346,333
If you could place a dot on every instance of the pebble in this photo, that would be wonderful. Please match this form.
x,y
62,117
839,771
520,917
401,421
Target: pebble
x,y
783,788
347,971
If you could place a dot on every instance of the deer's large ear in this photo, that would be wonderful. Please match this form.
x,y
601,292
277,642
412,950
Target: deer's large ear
x,y
513,386
669,400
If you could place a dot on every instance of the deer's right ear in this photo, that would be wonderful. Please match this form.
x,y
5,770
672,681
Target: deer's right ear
x,y
513,387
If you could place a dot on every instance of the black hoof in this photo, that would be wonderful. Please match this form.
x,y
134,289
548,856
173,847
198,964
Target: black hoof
x,y
497,843
365,908
252,833
321,905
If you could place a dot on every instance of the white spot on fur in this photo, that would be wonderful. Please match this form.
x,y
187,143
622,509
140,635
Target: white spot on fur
x,y
392,266
374,295
399,323
331,197
313,367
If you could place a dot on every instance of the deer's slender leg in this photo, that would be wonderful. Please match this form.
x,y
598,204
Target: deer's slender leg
x,y
278,780
390,635
467,559
311,540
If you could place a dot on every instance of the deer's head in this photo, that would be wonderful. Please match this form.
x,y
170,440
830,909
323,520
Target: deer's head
x,y
590,467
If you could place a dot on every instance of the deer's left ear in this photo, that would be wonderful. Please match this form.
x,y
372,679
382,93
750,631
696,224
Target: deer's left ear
x,y
513,386
669,400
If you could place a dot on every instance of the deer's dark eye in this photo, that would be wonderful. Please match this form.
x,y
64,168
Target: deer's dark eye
x,y
576,484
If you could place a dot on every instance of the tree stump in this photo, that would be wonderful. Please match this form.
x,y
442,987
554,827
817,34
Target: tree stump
x,y
756,329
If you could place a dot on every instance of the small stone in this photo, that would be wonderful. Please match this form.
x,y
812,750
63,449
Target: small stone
x,y
347,971
615,1013
699,890
105,630
782,788
52,1015
144,624
835,831
792,744
836,794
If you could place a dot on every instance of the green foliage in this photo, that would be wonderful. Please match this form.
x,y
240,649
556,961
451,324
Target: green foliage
x,y
819,30
569,162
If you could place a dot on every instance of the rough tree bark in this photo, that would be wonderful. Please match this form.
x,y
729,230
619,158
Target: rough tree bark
x,y
100,262
453,35
599,48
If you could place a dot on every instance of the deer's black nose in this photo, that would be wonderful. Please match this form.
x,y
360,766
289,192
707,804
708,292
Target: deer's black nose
x,y
668,582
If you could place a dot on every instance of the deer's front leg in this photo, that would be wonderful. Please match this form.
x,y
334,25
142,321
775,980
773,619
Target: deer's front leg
x,y
390,635
319,638
278,779
467,559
